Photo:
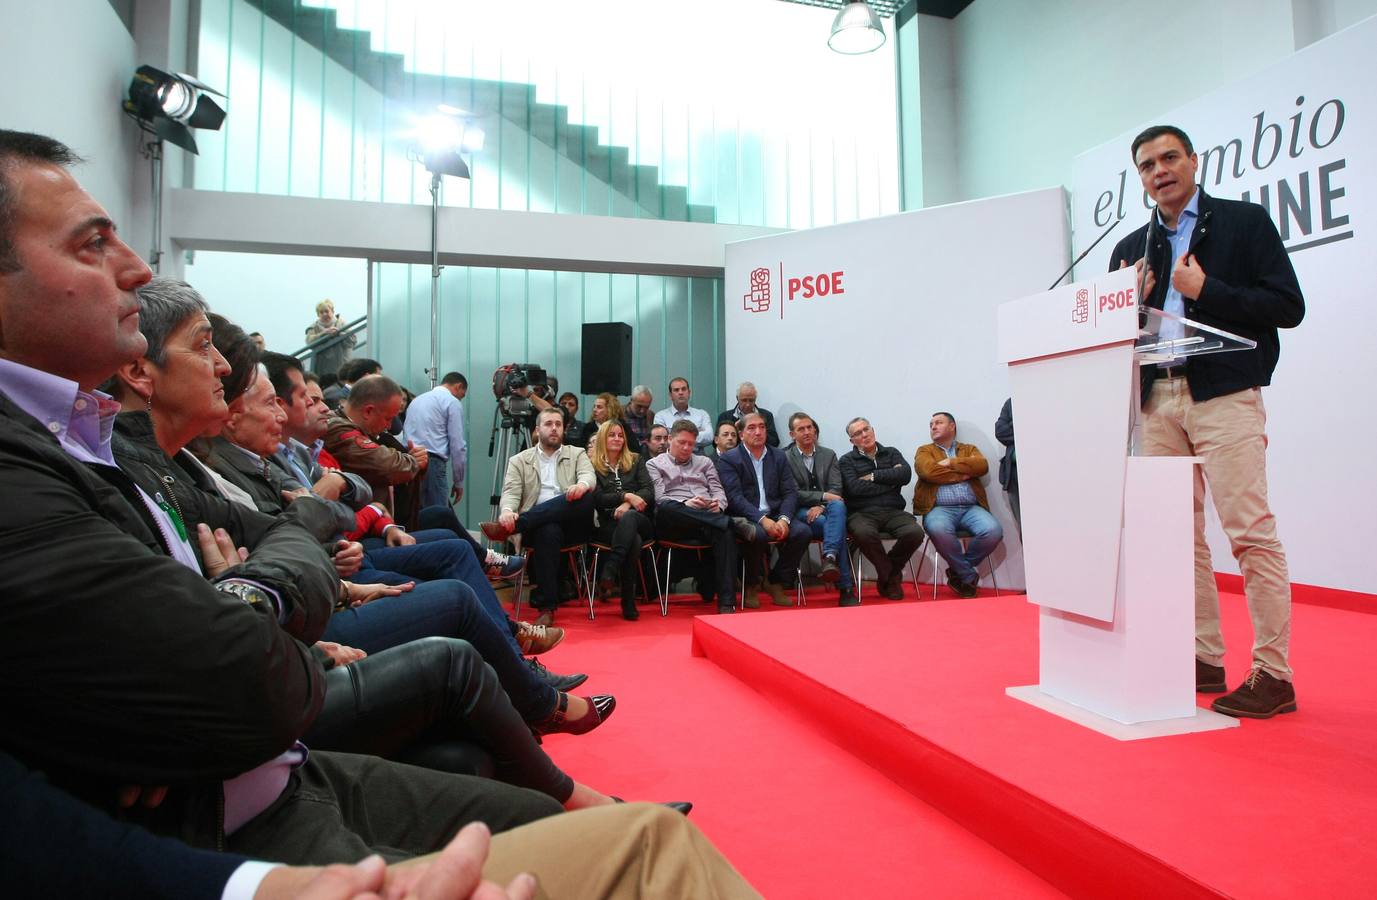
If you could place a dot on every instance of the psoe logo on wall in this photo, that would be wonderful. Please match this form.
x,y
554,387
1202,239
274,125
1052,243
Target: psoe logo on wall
x,y
803,287
758,298
1080,312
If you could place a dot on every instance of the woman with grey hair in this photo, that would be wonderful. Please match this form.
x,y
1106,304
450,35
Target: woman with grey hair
x,y
428,702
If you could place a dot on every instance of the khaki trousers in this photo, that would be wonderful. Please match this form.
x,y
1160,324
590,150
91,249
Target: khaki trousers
x,y
626,850
1229,434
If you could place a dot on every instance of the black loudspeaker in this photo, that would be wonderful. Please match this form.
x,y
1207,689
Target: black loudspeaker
x,y
606,358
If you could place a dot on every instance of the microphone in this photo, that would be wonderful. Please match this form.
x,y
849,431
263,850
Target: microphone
x,y
1085,253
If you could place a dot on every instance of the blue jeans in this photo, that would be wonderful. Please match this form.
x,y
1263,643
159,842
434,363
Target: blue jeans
x,y
430,560
445,608
435,482
942,523
830,527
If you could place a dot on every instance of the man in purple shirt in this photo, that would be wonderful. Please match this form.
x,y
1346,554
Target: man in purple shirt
x,y
690,505
126,667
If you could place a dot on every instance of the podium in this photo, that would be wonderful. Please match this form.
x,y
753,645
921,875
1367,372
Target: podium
x,y
1108,536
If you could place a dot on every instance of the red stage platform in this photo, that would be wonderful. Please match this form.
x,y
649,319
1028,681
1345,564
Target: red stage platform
x,y
1278,808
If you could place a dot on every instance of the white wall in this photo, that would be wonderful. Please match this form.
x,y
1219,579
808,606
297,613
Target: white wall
x,y
913,332
1036,83
277,295
66,68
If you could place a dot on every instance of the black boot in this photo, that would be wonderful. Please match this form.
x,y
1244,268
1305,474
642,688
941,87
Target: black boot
x,y
629,610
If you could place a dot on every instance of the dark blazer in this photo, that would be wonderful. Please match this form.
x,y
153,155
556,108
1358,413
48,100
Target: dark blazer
x,y
265,482
52,845
737,472
106,657
771,436
891,473
1250,290
825,469
1004,433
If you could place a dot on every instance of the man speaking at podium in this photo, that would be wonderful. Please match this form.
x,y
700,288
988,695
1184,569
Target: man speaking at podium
x,y
1220,263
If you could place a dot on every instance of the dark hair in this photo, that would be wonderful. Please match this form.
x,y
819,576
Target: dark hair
x,y
164,304
1156,131
351,370
683,425
239,351
571,395
310,377
950,418
279,366
802,415
454,378
372,389
679,378
22,147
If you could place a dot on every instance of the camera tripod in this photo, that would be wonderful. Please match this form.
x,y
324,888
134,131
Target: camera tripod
x,y
511,433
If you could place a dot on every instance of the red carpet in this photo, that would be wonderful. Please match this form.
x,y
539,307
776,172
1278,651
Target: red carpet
x,y
1280,808
798,815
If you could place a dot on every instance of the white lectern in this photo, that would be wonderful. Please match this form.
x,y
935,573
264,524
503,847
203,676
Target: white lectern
x,y
1107,536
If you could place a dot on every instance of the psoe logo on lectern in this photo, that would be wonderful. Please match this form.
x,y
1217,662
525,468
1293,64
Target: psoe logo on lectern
x,y
758,299
1080,313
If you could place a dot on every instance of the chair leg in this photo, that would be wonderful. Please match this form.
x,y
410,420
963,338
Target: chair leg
x,y
669,567
664,595
520,586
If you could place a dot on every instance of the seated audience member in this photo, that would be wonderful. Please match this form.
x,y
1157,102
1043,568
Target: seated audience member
x,y
725,438
54,845
375,525
547,499
375,619
1008,464
745,405
760,488
606,408
818,476
625,501
295,460
872,478
348,373
639,415
950,498
355,435
258,341
435,421
657,442
679,410
573,425
203,687
690,506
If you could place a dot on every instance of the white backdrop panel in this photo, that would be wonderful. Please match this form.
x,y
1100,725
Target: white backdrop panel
x,y
1300,138
912,330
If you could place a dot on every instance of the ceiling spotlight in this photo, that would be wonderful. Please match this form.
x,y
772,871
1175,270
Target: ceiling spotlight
x,y
442,136
170,105
856,29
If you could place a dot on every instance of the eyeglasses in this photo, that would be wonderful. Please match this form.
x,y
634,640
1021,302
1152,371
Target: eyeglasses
x,y
860,431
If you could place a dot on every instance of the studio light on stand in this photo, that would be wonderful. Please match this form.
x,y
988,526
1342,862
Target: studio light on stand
x,y
440,139
856,29
167,106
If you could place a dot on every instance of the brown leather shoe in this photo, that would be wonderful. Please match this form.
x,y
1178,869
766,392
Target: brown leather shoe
x,y
750,595
546,617
495,531
1260,696
537,639
1209,679
777,596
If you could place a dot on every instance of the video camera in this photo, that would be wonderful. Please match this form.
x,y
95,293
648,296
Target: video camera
x,y
512,377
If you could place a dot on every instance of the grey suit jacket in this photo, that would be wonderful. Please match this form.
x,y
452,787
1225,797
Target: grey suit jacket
x,y
824,467
264,482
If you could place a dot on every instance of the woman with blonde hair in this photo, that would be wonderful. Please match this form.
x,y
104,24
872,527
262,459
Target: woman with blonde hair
x,y
332,349
625,500
607,408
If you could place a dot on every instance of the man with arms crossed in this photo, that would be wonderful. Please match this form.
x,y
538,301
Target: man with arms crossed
x,y
1221,263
